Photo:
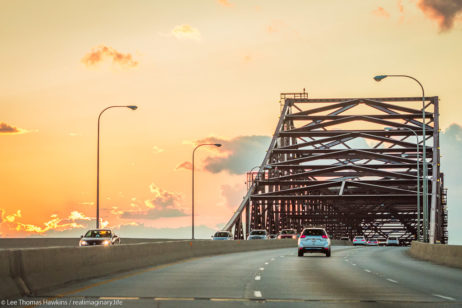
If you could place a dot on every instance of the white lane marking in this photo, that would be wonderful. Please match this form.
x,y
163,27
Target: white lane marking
x,y
262,268
346,260
391,280
266,263
444,297
119,298
257,277
272,259
257,293
353,264
366,270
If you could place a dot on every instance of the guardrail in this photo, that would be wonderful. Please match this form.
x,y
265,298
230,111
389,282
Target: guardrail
x,y
34,270
450,255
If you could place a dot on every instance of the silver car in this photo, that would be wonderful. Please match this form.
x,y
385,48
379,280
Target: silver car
x,y
222,236
258,235
103,237
314,240
392,241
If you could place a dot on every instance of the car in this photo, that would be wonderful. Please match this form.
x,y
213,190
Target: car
x,y
372,242
392,241
222,235
359,240
258,235
314,240
101,237
288,234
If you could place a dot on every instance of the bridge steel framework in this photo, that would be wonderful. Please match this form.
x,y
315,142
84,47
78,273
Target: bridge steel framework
x,y
332,163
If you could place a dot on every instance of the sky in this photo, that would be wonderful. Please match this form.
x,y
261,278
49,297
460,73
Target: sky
x,y
198,71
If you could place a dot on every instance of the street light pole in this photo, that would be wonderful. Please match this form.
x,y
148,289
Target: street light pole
x,y
418,179
424,155
192,213
97,158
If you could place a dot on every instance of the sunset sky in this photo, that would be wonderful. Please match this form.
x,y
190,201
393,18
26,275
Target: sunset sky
x,y
204,70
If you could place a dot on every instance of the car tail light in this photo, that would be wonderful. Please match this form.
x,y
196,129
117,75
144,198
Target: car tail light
x,y
303,236
324,236
354,240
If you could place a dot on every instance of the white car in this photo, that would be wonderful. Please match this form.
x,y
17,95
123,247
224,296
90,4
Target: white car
x,y
104,237
359,240
222,235
314,240
258,235
392,241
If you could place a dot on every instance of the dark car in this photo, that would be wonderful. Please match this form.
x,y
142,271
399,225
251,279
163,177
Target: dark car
x,y
104,237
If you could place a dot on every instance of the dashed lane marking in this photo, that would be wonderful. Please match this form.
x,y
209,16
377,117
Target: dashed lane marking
x,y
262,268
266,263
353,264
366,270
257,277
391,280
174,298
444,297
257,293
118,298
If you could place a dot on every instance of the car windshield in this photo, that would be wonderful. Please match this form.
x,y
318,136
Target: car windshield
x,y
314,232
222,234
288,232
258,232
98,233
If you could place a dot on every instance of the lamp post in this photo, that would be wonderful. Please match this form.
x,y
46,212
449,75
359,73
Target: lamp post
x,y
132,107
418,178
424,154
194,151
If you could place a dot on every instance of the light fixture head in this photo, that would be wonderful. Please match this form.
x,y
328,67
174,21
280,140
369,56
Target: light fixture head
x,y
380,77
132,107
217,145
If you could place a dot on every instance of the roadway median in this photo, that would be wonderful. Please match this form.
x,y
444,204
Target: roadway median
x,y
450,255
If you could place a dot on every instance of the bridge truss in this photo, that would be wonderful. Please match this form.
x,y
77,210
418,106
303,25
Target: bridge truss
x,y
349,165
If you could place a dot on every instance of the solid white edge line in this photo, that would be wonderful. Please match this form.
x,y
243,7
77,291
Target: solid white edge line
x,y
444,297
257,277
257,293
391,280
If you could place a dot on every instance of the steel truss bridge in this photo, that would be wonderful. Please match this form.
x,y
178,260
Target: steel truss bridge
x,y
349,165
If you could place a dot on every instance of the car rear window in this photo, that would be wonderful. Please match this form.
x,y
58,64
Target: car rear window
x,y
258,233
392,238
314,232
359,237
222,234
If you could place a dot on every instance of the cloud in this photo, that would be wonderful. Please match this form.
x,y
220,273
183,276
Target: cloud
x,y
163,204
156,149
74,220
6,129
451,149
233,195
381,12
237,155
225,3
186,32
102,53
186,165
443,12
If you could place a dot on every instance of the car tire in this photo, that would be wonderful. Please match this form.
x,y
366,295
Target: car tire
x,y
328,253
300,253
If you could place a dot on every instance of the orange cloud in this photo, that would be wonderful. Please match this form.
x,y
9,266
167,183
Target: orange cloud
x,y
381,12
186,32
187,165
101,53
443,12
6,129
225,3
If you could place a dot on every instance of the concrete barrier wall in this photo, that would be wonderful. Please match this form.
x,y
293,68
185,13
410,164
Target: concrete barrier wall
x,y
34,270
71,242
450,255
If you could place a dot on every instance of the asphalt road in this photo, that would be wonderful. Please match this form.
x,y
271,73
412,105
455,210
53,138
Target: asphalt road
x,y
352,277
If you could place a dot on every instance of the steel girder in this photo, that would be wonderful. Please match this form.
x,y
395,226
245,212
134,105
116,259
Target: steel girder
x,y
332,163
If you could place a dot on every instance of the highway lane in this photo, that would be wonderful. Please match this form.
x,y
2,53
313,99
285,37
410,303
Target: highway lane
x,y
352,277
